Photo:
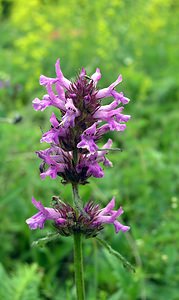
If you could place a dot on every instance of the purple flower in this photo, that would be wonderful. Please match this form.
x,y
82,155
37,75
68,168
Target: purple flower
x,y
54,134
101,154
107,92
41,104
82,120
94,169
56,160
89,163
50,99
68,120
45,213
64,82
79,122
67,221
52,171
96,76
112,116
120,97
47,80
108,215
88,166
87,139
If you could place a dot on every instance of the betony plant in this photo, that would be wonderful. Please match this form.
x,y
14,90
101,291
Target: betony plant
x,y
74,155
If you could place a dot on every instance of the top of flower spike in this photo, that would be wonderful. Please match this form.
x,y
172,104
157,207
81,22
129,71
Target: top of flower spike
x,y
65,83
82,120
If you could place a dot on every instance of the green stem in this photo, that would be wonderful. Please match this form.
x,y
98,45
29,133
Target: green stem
x,y
95,281
76,198
78,264
78,202
78,256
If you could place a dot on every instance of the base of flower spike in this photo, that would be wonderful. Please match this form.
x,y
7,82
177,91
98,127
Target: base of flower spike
x,y
85,224
68,221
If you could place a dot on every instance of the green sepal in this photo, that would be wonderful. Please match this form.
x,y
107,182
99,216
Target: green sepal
x,y
124,261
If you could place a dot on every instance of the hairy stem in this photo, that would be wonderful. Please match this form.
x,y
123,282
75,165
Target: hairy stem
x,y
76,198
78,264
78,256
78,253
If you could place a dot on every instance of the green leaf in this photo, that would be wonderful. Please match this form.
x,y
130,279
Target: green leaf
x,y
43,241
124,261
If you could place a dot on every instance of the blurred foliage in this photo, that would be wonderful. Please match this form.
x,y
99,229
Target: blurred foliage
x,y
139,40
22,285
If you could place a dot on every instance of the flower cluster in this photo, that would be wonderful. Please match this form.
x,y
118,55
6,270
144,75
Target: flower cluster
x,y
67,220
74,154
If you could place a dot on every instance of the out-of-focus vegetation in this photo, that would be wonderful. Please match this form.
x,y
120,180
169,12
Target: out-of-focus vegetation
x,y
139,40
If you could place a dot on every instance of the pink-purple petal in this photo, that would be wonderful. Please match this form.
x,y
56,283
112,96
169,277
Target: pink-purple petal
x,y
96,76
40,104
62,80
106,92
108,215
118,226
44,80
45,213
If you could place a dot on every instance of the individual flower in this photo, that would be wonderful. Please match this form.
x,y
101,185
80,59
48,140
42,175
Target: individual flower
x,y
111,92
96,76
68,120
57,161
64,82
54,134
113,117
42,104
87,139
45,213
67,221
51,99
109,215
88,164
102,154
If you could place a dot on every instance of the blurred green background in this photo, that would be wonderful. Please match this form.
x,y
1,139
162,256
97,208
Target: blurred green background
x,y
139,40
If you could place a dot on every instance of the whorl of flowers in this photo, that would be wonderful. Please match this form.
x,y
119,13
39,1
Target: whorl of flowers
x,y
73,153
81,122
68,221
